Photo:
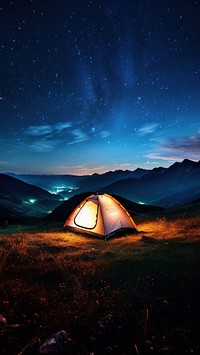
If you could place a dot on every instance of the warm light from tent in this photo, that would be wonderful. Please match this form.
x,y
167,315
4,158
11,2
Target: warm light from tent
x,y
86,217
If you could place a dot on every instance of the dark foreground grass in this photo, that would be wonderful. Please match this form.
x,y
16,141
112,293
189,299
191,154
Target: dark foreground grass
x,y
137,294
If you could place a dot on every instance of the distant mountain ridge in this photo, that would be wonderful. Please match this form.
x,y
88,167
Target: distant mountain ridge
x,y
51,183
95,180
70,185
166,187
176,185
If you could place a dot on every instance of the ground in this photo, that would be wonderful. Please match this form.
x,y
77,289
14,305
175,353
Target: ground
x,y
135,294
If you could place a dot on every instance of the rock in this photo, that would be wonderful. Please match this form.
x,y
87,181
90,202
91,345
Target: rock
x,y
3,321
55,342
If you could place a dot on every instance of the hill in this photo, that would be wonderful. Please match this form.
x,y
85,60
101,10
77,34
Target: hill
x,y
20,201
62,212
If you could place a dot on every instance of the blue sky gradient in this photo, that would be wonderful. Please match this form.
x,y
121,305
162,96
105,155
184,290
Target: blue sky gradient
x,y
91,86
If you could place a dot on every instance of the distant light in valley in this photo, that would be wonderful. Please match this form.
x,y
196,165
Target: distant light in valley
x,y
32,200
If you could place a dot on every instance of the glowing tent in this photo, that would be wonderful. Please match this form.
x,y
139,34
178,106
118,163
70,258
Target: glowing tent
x,y
101,215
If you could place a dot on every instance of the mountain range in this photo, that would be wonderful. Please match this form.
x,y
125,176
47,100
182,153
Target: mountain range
x,y
178,184
165,187
33,196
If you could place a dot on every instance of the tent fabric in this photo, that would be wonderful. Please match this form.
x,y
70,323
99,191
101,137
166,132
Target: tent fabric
x,y
100,215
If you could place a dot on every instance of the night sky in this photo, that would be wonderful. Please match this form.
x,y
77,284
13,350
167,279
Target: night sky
x,y
89,86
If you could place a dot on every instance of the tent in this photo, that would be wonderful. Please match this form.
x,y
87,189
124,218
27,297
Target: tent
x,y
100,215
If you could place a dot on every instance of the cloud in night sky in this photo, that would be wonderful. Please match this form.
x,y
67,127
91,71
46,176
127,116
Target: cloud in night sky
x,y
63,125
148,129
173,149
38,131
49,137
44,145
42,130
79,136
104,134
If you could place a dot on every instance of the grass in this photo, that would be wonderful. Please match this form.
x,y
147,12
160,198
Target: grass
x,y
137,294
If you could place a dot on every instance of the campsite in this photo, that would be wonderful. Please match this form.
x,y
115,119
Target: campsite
x,y
137,293
99,273
100,177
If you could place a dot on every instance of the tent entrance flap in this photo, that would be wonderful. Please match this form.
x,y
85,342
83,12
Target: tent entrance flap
x,y
87,215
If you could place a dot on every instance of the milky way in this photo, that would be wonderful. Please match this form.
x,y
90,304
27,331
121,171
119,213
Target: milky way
x,y
90,86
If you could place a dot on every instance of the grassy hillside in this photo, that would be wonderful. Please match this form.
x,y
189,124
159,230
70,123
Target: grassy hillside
x,y
137,294
20,201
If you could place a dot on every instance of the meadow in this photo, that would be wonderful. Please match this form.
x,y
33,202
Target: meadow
x,y
135,294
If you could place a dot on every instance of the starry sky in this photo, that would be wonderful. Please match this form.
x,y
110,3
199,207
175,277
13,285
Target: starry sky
x,y
90,86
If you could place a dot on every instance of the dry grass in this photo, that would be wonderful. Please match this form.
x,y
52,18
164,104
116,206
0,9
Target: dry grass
x,y
141,289
164,229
